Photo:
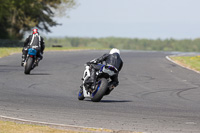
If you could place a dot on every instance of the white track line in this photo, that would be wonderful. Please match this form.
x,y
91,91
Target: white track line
x,y
168,58
51,124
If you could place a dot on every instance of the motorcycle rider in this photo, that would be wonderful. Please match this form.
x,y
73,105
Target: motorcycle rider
x,y
33,40
112,59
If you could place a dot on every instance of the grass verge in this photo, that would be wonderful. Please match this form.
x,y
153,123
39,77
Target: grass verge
x,y
192,62
5,51
12,127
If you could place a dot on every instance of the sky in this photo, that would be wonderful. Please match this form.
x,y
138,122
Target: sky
x,y
151,19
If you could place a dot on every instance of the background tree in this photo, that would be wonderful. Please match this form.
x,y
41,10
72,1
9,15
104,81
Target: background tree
x,y
19,16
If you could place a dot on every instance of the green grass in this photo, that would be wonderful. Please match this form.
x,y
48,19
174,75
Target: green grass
x,y
5,51
66,48
192,62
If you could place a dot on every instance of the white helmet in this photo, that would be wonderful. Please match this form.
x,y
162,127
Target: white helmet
x,y
114,50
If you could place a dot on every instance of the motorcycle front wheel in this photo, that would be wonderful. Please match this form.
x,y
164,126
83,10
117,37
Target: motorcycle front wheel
x,y
28,65
80,95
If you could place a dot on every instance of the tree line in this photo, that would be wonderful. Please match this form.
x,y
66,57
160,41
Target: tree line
x,y
186,45
19,16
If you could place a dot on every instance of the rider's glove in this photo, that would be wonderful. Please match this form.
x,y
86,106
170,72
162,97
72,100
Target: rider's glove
x,y
88,63
25,48
93,61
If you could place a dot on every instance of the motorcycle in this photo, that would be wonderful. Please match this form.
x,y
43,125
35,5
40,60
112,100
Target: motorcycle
x,y
31,60
102,86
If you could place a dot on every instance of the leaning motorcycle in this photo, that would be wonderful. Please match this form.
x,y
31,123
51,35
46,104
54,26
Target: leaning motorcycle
x,y
102,86
31,59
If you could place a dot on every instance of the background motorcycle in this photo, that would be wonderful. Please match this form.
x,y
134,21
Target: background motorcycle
x,y
31,59
102,83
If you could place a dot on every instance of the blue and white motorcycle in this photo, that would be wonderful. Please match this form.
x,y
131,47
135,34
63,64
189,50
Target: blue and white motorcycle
x,y
102,83
31,60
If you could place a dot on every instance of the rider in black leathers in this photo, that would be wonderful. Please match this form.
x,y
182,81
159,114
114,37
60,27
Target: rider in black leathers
x,y
33,40
113,59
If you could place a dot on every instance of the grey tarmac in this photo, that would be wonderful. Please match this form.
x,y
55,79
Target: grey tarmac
x,y
154,95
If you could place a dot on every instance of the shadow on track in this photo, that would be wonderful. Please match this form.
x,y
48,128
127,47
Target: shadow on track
x,y
40,74
115,101
110,101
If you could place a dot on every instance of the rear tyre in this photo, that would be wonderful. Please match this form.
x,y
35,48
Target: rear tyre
x,y
102,87
28,66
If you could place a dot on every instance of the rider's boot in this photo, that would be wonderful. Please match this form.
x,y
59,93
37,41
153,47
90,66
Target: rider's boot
x,y
24,55
110,88
37,61
39,58
23,60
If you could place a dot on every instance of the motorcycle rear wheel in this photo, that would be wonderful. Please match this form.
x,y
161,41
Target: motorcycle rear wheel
x,y
101,90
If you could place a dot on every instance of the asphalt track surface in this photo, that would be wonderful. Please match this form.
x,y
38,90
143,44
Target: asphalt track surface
x,y
154,95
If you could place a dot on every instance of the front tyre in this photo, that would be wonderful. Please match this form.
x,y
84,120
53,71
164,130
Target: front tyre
x,y
80,95
102,87
28,65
